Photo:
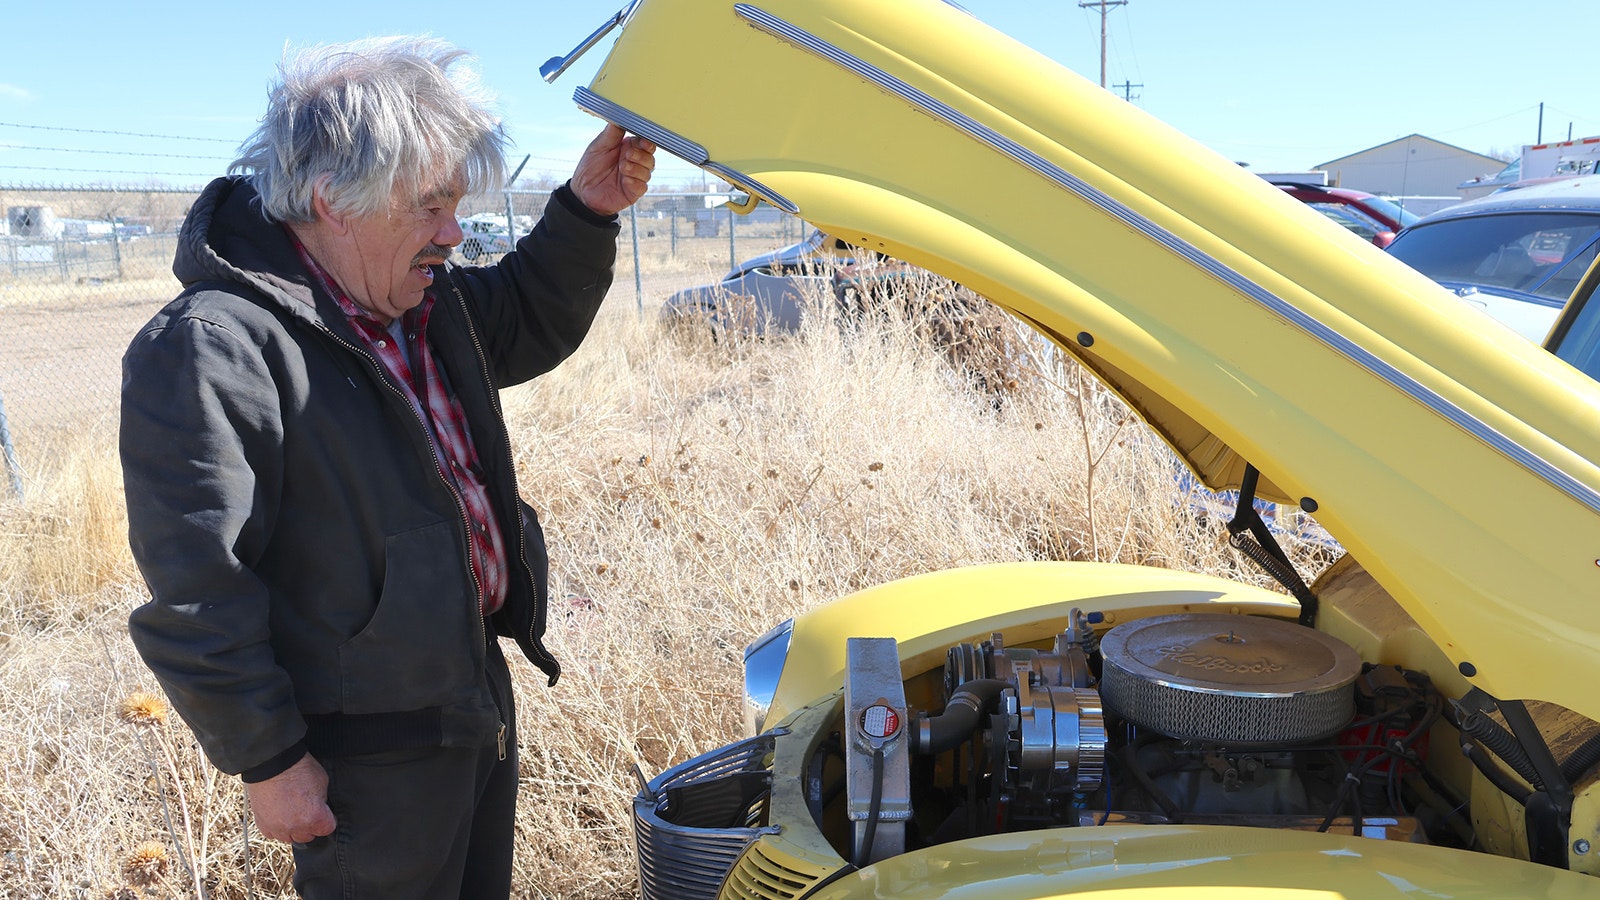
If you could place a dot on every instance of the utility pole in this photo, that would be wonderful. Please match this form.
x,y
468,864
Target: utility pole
x,y
1105,7
1127,90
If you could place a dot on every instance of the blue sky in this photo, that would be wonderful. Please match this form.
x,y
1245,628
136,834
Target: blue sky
x,y
1281,86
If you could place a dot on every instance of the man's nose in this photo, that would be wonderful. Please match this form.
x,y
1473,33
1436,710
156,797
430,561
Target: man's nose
x,y
449,233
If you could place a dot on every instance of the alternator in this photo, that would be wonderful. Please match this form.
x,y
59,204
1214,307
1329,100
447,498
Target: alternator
x,y
1050,736
1061,736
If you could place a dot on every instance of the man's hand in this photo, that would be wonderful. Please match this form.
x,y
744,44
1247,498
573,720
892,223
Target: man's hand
x,y
614,171
292,806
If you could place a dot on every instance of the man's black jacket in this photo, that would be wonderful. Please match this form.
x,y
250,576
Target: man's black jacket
x,y
307,563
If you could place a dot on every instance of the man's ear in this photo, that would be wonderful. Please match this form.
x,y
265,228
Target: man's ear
x,y
332,219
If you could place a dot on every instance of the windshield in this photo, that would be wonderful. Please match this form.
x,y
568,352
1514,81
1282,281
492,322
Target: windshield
x,y
1351,218
1539,253
1393,210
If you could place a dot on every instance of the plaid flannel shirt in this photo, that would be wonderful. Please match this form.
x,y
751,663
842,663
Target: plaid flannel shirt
x,y
422,383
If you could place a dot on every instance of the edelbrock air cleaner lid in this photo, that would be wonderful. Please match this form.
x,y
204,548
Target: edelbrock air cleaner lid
x,y
1228,679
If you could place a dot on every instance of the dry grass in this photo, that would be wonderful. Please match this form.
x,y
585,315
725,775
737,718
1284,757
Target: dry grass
x,y
693,495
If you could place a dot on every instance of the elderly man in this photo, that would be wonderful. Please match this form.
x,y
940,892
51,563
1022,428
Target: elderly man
x,y
319,480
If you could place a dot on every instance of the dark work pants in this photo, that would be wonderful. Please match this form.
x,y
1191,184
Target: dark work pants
x,y
427,824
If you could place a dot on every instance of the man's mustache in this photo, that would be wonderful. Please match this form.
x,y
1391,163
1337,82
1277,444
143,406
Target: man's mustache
x,y
432,255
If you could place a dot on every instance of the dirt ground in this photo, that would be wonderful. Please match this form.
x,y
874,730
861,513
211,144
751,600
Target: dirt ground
x,y
61,346
61,363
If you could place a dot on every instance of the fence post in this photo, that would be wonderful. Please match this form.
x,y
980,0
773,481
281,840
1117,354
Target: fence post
x,y
733,259
638,276
13,468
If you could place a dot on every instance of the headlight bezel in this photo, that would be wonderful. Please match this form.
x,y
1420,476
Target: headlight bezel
x,y
764,660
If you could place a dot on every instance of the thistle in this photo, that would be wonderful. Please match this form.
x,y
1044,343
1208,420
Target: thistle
x,y
143,708
146,863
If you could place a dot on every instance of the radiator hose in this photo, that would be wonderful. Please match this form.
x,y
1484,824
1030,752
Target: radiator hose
x,y
962,715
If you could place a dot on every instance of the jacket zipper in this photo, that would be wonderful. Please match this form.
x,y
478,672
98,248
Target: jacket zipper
x,y
539,611
461,509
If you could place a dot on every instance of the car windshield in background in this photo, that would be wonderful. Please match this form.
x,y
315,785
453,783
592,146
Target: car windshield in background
x,y
1540,254
1392,209
1353,219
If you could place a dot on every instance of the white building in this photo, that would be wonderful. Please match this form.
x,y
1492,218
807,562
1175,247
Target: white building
x,y
1413,167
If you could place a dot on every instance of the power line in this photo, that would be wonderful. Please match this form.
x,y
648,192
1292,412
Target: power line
x,y
1132,51
164,137
1518,112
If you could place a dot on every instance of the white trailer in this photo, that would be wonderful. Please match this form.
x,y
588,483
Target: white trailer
x,y
1558,160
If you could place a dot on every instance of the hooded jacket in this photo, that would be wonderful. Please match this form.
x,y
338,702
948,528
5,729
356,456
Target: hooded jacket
x,y
308,565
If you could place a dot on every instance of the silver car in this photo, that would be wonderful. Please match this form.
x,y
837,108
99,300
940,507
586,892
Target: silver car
x,y
482,236
766,292
1516,255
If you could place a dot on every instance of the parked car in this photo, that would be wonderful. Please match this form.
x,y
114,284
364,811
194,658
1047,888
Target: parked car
x,y
769,293
483,236
131,230
1515,255
765,292
1418,719
1374,218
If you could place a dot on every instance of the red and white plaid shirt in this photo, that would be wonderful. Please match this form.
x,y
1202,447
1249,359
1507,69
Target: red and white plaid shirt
x,y
420,380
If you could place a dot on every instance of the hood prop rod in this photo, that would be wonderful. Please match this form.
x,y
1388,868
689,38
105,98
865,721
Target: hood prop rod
x,y
1548,810
1248,533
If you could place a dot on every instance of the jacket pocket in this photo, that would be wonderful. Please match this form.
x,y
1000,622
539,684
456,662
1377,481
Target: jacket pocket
x,y
419,650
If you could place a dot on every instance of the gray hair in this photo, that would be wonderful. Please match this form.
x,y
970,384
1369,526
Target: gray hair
x,y
376,121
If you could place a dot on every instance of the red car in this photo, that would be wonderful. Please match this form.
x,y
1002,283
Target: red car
x,y
1374,218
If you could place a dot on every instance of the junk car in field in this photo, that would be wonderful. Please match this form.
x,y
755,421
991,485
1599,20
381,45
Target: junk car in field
x,y
773,292
1417,720
765,292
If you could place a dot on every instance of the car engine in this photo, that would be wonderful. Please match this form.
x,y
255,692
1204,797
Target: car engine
x,y
1190,718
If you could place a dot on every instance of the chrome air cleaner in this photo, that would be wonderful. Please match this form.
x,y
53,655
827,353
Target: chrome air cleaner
x,y
1228,679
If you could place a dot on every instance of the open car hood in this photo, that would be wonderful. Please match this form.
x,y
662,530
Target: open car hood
x,y
1456,462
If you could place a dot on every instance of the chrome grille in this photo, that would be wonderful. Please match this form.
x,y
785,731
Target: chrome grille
x,y
692,822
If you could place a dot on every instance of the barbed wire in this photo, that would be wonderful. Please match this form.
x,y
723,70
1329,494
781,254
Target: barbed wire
x,y
43,187
113,172
114,152
164,137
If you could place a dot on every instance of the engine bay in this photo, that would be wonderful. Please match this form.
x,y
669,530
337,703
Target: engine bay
x,y
1236,716
1195,718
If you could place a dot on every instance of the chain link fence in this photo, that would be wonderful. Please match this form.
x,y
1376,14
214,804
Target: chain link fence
x,y
82,269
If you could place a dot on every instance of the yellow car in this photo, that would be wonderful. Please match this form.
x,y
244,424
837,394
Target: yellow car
x,y
1419,721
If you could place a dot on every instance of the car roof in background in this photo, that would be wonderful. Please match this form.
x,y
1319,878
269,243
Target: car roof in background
x,y
1291,186
1579,192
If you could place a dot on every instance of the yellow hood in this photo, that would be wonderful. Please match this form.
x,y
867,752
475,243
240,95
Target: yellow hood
x,y
1457,462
